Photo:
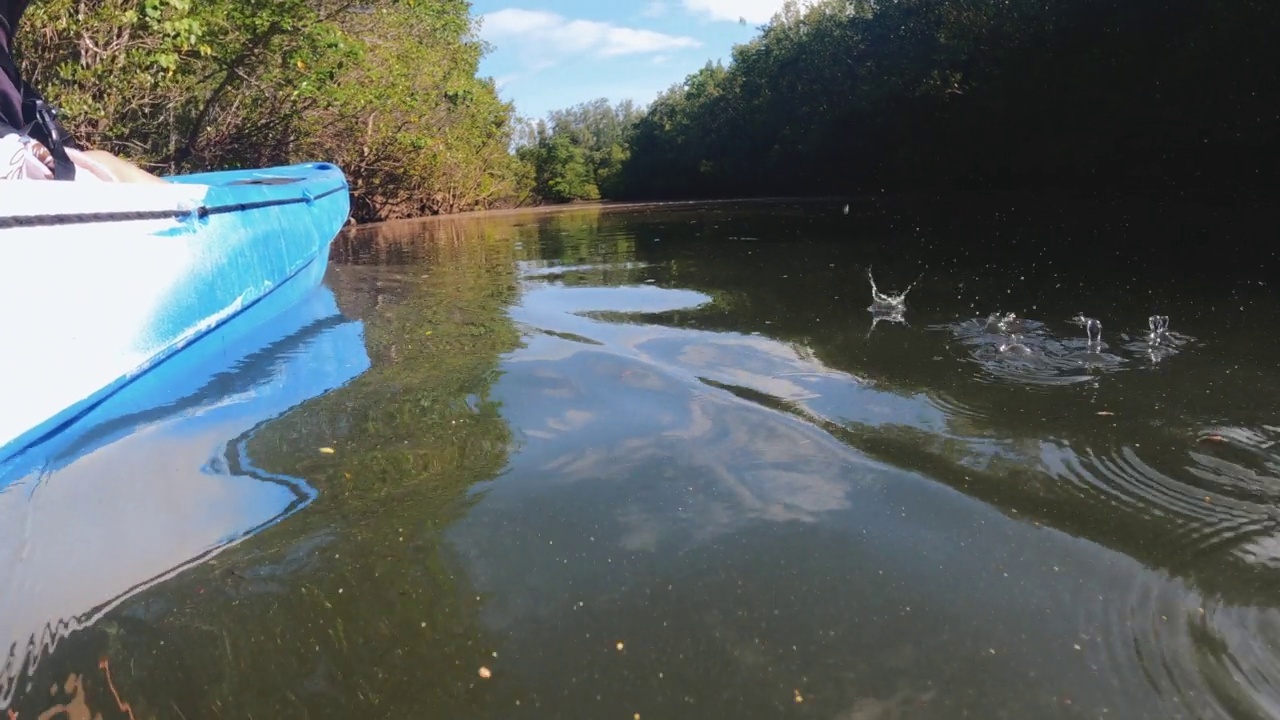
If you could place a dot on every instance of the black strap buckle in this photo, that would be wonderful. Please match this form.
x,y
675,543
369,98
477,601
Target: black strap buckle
x,y
46,128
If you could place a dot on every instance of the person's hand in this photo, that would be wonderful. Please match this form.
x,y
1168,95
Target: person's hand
x,y
23,158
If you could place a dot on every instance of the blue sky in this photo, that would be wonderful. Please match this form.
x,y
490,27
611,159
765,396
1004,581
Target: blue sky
x,y
552,54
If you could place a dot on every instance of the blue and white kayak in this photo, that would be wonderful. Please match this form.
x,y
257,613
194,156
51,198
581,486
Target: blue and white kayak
x,y
99,282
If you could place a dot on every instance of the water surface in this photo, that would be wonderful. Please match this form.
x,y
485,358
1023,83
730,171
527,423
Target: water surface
x,y
665,462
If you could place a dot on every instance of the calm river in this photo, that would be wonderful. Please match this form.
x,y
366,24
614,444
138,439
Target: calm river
x,y
664,462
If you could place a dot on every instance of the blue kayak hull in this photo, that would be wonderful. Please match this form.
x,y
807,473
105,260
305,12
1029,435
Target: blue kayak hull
x,y
100,282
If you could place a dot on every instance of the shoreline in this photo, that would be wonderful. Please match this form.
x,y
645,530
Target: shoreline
x,y
1185,201
591,205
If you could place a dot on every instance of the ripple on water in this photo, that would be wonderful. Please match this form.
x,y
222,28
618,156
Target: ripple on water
x,y
1241,462
1209,507
1154,348
552,269
1205,657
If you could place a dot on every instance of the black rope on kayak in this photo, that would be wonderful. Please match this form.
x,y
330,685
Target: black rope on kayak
x,y
204,211
20,221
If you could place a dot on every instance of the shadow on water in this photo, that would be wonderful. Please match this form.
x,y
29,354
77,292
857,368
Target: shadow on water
x,y
665,462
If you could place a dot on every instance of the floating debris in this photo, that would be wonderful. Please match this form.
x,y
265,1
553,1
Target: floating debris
x,y
485,673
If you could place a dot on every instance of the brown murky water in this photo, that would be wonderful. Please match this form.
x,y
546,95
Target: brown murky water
x,y
664,463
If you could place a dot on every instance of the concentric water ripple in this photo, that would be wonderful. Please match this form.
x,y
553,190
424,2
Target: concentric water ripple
x,y
1027,352
1204,657
1202,514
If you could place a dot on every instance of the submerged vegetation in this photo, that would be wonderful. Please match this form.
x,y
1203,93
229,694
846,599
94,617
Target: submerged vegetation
x,y
832,96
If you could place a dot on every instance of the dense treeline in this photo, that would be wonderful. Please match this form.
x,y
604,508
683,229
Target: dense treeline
x,y
385,88
866,95
833,96
579,153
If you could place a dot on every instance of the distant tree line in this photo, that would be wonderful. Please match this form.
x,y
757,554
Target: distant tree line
x,y
832,96
579,153
871,95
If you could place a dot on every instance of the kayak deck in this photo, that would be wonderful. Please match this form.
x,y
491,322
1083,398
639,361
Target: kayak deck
x,y
102,281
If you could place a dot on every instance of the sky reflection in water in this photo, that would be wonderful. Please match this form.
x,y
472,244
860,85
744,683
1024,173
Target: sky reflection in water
x,y
677,491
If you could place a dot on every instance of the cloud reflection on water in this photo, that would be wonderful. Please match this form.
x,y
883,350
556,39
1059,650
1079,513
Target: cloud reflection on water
x,y
665,465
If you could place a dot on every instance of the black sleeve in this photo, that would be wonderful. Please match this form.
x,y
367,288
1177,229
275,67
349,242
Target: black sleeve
x,y
21,105
10,82
11,11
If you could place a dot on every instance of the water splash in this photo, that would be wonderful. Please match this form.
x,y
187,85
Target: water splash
x,y
1159,342
1093,331
1159,326
1005,324
887,307
1093,328
893,316
1014,345
1008,348
888,302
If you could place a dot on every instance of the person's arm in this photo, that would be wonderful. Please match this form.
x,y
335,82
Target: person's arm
x,y
10,85
117,169
100,164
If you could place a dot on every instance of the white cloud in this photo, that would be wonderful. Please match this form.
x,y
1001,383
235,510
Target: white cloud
x,y
756,12
544,34
655,8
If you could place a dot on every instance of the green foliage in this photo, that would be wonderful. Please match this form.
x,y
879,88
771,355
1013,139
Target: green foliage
x,y
387,89
428,134
864,95
831,96
579,153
